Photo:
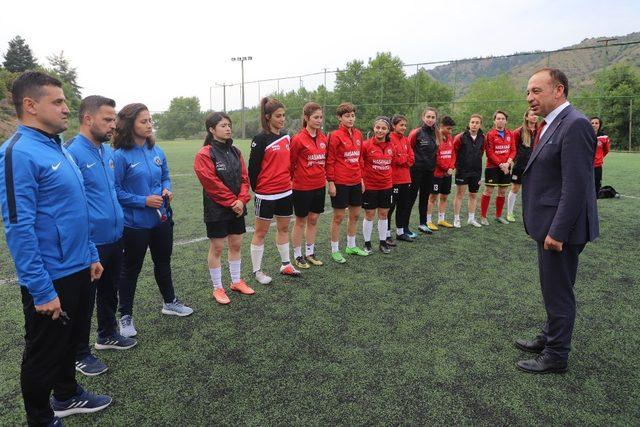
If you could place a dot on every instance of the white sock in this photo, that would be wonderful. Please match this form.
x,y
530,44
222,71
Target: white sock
x,y
297,251
511,202
456,218
351,241
441,216
256,257
367,229
311,249
399,231
234,270
382,229
284,253
472,216
429,218
335,247
216,277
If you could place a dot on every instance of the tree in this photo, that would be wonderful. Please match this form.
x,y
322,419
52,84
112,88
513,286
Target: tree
x,y
65,72
19,57
184,119
426,91
610,99
485,96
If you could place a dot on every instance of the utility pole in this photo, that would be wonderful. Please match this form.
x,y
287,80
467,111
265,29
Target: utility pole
x,y
241,59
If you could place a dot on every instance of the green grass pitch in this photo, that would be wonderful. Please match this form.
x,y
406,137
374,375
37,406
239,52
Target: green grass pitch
x,y
423,336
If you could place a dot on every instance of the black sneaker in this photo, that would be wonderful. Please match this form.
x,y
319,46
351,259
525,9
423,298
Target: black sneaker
x,y
384,247
390,242
405,238
367,248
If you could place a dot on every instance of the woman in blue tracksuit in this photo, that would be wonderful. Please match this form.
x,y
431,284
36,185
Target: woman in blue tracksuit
x,y
143,187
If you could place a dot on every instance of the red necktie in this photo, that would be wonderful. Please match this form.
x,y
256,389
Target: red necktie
x,y
539,132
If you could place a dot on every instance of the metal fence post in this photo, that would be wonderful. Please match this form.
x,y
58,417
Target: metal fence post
x,y
630,122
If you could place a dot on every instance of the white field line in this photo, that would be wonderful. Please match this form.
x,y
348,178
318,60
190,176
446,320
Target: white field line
x,y
13,279
630,197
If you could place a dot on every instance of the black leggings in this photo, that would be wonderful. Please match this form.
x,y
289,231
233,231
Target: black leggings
x,y
400,204
422,181
597,173
159,240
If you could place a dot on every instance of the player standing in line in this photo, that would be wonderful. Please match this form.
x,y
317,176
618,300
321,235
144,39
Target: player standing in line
x,y
344,174
469,146
501,150
270,177
401,169
445,166
523,139
424,142
602,149
220,167
308,156
377,156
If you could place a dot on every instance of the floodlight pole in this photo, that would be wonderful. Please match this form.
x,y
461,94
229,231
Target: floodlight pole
x,y
242,59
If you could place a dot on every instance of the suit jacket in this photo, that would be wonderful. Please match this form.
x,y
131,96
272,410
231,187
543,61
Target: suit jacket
x,y
558,191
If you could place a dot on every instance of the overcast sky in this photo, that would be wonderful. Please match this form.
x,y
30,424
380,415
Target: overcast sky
x,y
150,52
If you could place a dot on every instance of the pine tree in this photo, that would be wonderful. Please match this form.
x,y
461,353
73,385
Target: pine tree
x,y
19,57
66,72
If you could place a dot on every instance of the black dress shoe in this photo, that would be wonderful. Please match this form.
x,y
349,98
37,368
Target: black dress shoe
x,y
543,364
535,346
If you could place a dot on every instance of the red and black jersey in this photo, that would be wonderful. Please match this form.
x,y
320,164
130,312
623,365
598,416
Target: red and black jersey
x,y
602,149
499,150
270,164
445,156
344,162
403,159
308,158
222,172
377,158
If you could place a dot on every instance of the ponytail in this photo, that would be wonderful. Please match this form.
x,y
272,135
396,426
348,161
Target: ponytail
x,y
267,107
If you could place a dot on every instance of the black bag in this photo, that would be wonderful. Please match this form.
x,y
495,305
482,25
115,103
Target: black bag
x,y
608,192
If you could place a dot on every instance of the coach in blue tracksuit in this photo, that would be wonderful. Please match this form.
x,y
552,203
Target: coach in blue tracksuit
x,y
46,220
143,187
96,162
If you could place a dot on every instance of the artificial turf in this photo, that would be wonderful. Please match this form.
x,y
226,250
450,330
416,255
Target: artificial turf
x,y
422,336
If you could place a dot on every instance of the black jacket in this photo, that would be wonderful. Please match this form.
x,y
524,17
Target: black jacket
x,y
469,155
425,148
226,159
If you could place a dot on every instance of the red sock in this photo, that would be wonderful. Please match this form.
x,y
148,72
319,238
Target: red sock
x,y
499,206
484,205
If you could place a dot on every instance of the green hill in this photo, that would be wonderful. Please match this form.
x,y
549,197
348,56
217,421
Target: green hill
x,y
580,61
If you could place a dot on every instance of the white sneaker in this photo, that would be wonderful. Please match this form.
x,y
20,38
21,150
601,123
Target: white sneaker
x,y
262,278
456,223
484,221
127,328
474,223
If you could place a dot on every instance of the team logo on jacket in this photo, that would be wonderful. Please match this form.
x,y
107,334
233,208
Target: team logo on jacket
x,y
157,160
323,145
508,138
389,151
220,166
112,165
358,142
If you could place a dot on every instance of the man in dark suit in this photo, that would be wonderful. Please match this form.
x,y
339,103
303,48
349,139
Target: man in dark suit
x,y
560,212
